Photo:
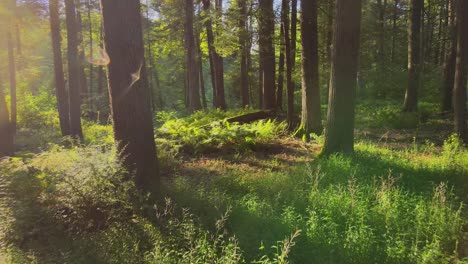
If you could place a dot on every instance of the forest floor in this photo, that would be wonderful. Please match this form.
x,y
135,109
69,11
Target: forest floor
x,y
400,198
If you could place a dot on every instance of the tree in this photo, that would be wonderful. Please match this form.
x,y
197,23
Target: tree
x,y
73,70
339,136
414,56
450,60
267,53
216,61
12,69
461,71
128,90
193,73
60,90
289,64
244,52
311,119
6,135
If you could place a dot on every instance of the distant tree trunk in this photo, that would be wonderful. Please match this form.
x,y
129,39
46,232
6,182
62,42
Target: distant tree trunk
x,y
128,89
394,29
331,11
311,112
244,52
414,56
439,36
150,58
91,53
339,136
100,74
293,34
381,40
288,55
60,89
12,74
461,71
279,93
85,92
449,63
193,73
6,135
219,69
19,49
74,91
200,68
260,83
267,53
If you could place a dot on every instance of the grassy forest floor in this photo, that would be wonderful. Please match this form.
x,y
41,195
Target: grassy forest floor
x,y
243,193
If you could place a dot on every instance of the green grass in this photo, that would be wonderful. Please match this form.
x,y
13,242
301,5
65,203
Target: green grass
x,y
403,202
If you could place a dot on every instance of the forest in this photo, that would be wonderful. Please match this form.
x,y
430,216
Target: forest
x,y
233,131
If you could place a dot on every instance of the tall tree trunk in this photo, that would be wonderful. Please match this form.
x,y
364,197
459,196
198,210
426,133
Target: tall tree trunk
x,y
293,33
394,29
381,40
288,56
91,53
439,36
60,89
339,136
311,112
219,69
414,56
459,92
85,91
449,62
331,12
244,52
281,62
128,90
74,91
12,74
267,53
200,68
193,73
6,135
150,57
19,48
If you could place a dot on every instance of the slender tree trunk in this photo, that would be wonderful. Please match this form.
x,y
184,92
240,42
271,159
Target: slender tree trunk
x,y
288,56
449,63
381,40
339,136
219,69
91,53
459,92
267,53
193,73
281,62
394,29
439,36
73,71
331,12
414,56
60,89
85,92
6,135
150,58
293,34
12,74
311,112
200,67
100,74
245,52
128,90
211,49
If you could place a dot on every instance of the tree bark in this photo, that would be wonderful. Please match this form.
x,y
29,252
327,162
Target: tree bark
x,y
449,62
339,136
74,91
6,135
461,71
293,34
60,89
85,91
331,11
311,111
12,75
394,29
193,73
91,53
200,68
414,56
128,90
289,64
267,53
244,52
281,62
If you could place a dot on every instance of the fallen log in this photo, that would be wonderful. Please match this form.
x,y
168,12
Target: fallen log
x,y
252,117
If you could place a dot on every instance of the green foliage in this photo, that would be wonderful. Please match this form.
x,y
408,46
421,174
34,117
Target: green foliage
x,y
207,131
